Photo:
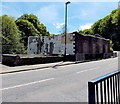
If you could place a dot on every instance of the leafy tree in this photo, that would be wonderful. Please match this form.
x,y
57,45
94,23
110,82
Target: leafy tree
x,y
95,27
81,32
43,30
105,27
87,31
111,45
31,18
10,35
115,16
116,29
109,27
36,23
27,29
29,25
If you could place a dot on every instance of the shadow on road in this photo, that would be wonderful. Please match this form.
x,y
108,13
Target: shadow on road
x,y
59,64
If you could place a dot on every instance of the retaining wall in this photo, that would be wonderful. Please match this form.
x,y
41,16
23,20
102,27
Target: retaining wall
x,y
15,60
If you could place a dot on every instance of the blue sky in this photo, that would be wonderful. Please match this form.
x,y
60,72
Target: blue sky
x,y
81,15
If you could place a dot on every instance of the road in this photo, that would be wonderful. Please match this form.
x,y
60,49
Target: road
x,y
58,84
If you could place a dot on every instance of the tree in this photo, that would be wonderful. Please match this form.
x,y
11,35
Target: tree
x,y
109,27
27,29
116,29
88,31
111,45
10,35
105,27
29,25
30,18
36,23
81,32
95,27
43,30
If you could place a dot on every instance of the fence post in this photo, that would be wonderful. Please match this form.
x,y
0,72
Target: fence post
x,y
91,93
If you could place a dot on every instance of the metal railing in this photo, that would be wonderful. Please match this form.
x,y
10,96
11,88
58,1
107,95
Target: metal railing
x,y
105,89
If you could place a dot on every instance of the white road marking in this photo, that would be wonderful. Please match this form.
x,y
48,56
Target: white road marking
x,y
27,84
87,70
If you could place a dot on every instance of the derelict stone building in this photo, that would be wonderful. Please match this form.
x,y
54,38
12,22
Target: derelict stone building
x,y
80,46
90,47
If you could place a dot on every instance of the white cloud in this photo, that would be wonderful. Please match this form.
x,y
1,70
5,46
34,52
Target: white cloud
x,y
2,6
48,14
58,25
86,26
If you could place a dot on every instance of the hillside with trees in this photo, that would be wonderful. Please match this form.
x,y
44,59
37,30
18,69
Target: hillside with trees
x,y
108,27
10,35
15,32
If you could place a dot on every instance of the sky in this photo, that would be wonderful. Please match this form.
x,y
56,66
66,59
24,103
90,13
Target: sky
x,y
81,15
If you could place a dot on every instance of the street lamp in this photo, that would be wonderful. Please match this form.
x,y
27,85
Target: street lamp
x,y
65,27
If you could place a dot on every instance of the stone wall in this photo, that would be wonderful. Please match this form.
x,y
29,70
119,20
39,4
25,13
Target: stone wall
x,y
91,47
11,60
15,60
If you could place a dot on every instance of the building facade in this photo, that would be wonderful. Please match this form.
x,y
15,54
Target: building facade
x,y
51,45
76,44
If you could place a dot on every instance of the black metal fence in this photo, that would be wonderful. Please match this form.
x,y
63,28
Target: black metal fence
x,y
105,89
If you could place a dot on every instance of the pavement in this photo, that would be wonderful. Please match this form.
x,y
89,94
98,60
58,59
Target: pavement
x,y
8,69
67,83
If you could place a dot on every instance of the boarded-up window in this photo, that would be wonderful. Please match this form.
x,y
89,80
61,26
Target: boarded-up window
x,y
46,48
94,48
51,48
85,47
106,49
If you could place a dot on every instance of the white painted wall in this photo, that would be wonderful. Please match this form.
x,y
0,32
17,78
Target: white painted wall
x,y
59,45
32,46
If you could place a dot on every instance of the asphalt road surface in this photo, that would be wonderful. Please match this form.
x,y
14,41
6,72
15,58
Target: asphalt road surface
x,y
58,84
